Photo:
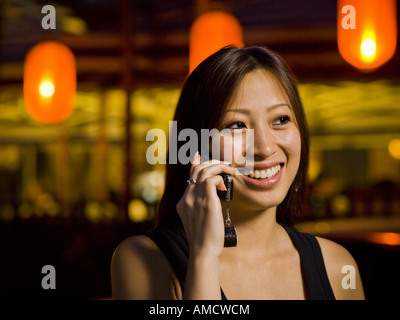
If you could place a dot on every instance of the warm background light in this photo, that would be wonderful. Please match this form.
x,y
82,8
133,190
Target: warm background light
x,y
137,210
373,40
368,49
394,148
385,238
50,71
210,32
46,89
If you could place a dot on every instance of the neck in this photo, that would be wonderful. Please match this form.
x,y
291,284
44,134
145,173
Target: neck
x,y
258,231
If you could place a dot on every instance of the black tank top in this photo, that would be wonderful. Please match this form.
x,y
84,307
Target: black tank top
x,y
173,243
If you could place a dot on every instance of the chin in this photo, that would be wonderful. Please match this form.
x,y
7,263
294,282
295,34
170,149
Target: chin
x,y
260,200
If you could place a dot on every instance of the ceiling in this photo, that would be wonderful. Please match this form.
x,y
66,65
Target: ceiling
x,y
302,31
339,99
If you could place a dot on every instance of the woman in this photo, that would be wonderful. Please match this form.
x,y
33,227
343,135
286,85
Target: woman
x,y
184,256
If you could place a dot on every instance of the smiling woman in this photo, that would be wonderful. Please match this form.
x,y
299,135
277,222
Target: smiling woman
x,y
184,255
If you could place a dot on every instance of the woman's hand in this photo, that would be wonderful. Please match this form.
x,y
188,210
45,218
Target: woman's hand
x,y
200,207
201,214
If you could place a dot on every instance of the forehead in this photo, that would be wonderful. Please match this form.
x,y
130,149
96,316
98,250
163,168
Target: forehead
x,y
258,88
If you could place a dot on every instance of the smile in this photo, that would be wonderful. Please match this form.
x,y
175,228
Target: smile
x,y
264,178
265,174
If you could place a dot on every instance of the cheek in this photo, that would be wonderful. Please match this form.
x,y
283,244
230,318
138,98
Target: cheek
x,y
235,148
291,144
227,148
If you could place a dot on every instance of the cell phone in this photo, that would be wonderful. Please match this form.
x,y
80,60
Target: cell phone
x,y
228,194
230,231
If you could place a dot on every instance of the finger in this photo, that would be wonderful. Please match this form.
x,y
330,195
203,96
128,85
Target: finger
x,y
221,185
197,166
202,172
215,161
196,158
195,162
214,182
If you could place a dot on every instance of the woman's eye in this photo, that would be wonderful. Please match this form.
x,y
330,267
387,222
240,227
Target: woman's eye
x,y
236,125
282,120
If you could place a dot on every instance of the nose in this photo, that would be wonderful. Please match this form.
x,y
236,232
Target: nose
x,y
264,142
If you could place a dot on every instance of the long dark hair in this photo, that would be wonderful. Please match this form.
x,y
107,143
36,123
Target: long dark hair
x,y
205,96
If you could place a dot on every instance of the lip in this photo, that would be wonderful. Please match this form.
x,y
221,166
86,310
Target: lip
x,y
265,166
264,183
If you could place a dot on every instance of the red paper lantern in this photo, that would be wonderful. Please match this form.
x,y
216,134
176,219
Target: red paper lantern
x,y
367,32
210,32
50,82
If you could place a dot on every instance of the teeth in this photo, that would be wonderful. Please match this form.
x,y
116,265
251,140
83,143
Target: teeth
x,y
265,174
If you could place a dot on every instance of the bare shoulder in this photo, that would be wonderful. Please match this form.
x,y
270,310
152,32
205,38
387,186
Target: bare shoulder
x,y
139,270
342,271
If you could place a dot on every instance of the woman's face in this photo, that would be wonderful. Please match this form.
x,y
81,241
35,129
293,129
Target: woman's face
x,y
261,105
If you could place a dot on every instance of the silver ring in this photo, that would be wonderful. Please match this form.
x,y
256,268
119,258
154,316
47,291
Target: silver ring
x,y
191,181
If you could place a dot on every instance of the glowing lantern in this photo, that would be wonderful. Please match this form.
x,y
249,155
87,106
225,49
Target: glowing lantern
x,y
394,148
367,32
50,82
210,32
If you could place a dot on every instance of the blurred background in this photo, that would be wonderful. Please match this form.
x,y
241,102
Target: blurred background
x,y
70,192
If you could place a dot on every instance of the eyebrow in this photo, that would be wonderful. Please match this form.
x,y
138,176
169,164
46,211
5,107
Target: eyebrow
x,y
270,108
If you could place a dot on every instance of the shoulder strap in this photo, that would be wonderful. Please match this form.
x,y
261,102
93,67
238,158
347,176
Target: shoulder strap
x,y
316,279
